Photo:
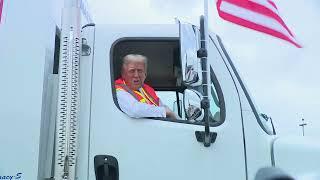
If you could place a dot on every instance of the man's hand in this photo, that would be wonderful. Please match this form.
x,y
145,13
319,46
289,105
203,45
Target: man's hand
x,y
169,113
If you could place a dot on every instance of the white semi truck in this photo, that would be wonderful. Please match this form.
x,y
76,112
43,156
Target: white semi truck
x,y
60,117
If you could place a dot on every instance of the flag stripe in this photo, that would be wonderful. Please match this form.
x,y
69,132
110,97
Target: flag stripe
x,y
256,15
273,4
267,4
1,5
253,17
261,7
257,27
253,4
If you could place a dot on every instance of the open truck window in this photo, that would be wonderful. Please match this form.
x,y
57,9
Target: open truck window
x,y
164,74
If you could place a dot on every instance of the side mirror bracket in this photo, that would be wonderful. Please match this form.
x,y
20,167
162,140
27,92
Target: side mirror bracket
x,y
206,139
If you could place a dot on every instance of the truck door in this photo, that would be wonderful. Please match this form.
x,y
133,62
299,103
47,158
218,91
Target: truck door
x,y
160,148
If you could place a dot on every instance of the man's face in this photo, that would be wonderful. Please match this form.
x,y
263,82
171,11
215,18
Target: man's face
x,y
134,74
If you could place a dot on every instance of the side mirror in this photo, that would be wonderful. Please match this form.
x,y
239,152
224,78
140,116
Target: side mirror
x,y
268,123
189,45
191,104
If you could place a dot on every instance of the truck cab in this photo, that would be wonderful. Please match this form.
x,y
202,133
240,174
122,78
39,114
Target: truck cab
x,y
164,148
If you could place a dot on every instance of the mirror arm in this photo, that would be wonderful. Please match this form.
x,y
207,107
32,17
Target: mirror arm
x,y
209,137
206,137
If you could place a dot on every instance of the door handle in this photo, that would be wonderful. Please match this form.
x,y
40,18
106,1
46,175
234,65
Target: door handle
x,y
106,167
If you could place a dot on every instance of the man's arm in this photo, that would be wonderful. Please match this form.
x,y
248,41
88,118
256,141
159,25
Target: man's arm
x,y
169,112
135,109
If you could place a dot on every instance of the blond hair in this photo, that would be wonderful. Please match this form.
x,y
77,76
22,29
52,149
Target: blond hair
x,y
135,58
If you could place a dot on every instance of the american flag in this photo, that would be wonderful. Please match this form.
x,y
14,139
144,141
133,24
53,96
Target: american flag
x,y
260,15
1,5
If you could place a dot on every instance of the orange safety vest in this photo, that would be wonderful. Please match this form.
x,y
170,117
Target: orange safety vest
x,y
148,95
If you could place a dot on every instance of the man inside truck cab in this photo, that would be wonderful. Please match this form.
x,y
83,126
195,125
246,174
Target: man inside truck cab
x,y
136,98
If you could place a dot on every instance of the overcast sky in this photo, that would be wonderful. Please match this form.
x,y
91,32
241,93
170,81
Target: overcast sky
x,y
283,80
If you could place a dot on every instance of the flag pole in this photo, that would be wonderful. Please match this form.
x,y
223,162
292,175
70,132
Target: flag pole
x,y
205,7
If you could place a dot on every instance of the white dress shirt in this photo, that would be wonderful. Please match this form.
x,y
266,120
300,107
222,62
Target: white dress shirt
x,y
133,108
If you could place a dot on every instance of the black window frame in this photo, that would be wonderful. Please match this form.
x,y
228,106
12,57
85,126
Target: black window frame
x,y
212,77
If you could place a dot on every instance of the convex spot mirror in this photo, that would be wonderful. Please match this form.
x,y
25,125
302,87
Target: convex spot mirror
x,y
192,105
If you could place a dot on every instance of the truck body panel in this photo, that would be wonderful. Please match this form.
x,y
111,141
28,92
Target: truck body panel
x,y
29,32
26,51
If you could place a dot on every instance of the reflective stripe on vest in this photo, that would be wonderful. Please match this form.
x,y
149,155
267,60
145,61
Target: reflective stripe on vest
x,y
143,97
